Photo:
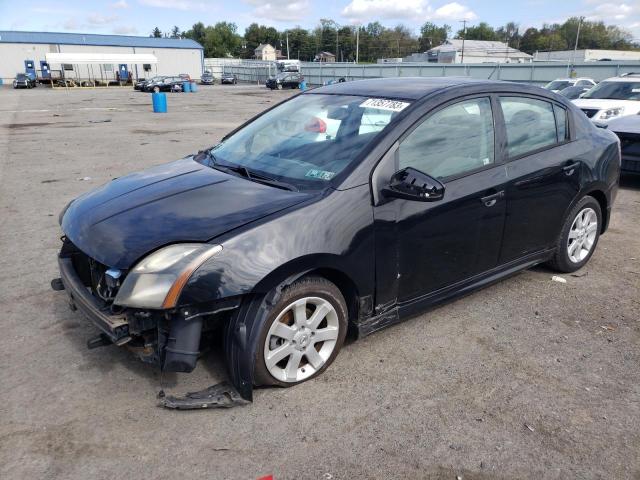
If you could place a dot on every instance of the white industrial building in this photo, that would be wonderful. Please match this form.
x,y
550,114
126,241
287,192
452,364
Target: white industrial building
x,y
471,51
587,55
96,57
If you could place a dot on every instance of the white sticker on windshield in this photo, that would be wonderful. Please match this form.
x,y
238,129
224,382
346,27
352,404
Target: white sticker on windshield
x,y
384,104
320,174
635,90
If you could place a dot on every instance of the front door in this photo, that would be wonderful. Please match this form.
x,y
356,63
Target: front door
x,y
422,247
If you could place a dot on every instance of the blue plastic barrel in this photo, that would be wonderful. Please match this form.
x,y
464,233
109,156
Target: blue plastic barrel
x,y
194,87
303,85
186,87
159,100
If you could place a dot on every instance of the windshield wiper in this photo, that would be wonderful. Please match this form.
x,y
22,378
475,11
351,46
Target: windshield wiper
x,y
246,173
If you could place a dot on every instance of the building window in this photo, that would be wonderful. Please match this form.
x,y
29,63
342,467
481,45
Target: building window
x,y
67,67
147,67
107,67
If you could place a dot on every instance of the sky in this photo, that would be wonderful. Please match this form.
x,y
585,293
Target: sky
x,y
139,17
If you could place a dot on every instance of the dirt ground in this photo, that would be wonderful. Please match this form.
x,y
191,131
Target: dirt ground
x,y
529,378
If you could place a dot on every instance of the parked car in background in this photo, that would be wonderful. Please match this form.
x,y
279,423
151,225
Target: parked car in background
x,y
611,98
573,92
562,83
628,131
207,78
164,84
141,82
285,80
426,189
22,80
229,78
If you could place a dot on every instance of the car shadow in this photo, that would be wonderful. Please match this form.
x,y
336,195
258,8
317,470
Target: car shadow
x,y
630,181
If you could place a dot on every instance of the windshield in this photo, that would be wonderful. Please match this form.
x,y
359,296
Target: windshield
x,y
21,76
615,91
558,84
308,140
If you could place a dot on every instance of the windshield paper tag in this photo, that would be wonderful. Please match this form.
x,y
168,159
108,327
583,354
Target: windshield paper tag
x,y
321,174
384,104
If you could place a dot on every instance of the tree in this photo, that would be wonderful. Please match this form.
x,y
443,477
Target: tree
x,y
482,31
175,32
431,35
509,34
222,40
197,33
156,33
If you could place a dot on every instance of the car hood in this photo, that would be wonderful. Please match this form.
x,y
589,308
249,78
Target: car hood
x,y
628,124
602,103
182,201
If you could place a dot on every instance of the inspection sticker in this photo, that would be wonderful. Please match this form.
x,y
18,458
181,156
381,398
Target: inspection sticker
x,y
384,104
321,174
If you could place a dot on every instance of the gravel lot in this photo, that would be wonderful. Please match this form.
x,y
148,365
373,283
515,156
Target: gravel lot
x,y
529,378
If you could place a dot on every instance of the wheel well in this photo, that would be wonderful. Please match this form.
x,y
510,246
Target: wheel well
x,y
344,284
602,200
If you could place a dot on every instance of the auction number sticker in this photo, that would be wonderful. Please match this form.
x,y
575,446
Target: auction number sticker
x,y
320,174
384,104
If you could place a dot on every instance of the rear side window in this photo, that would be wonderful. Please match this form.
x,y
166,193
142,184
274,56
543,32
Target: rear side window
x,y
561,123
530,124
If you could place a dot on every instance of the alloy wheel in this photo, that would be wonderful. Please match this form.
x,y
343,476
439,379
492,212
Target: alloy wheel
x,y
301,339
582,235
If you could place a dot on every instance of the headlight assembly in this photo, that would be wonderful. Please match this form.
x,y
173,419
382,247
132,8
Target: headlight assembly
x,y
611,112
157,280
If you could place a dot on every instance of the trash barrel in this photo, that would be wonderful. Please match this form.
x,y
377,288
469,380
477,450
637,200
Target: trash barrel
x,y
194,87
186,87
159,100
303,85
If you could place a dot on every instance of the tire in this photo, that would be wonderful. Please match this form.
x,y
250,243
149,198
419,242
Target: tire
x,y
156,89
576,242
279,86
290,364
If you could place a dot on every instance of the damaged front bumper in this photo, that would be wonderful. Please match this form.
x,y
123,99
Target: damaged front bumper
x,y
169,339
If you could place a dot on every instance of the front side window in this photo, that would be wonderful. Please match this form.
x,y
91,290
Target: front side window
x,y
455,140
530,124
310,139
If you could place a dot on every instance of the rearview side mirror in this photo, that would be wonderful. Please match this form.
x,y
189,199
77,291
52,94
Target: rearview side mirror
x,y
412,184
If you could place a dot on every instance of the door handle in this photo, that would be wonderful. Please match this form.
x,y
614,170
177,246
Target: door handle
x,y
569,169
491,200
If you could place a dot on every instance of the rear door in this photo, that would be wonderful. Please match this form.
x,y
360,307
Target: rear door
x,y
544,172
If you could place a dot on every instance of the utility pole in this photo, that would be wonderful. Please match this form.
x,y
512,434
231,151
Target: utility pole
x,y
357,42
287,44
336,42
575,47
464,34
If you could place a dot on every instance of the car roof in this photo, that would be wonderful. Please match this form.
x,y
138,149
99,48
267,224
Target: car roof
x,y
631,77
407,88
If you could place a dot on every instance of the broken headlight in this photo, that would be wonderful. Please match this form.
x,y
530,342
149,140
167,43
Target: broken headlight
x,y
157,280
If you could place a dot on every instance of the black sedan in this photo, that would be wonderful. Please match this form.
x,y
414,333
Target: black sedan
x,y
348,207
23,81
164,84
229,78
574,92
285,80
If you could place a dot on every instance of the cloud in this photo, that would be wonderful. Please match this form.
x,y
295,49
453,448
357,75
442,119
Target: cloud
x,y
125,30
280,11
184,5
120,4
453,11
71,24
610,11
406,10
99,19
365,9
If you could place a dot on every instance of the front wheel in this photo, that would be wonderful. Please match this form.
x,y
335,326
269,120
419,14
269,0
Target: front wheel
x,y
279,87
302,333
579,236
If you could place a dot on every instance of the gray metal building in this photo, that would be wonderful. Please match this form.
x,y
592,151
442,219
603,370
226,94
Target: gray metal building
x,y
97,56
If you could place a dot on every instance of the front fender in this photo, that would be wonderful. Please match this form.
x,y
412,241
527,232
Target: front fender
x,y
334,233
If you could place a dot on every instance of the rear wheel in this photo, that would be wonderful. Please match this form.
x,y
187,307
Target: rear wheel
x,y
279,86
302,334
579,236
